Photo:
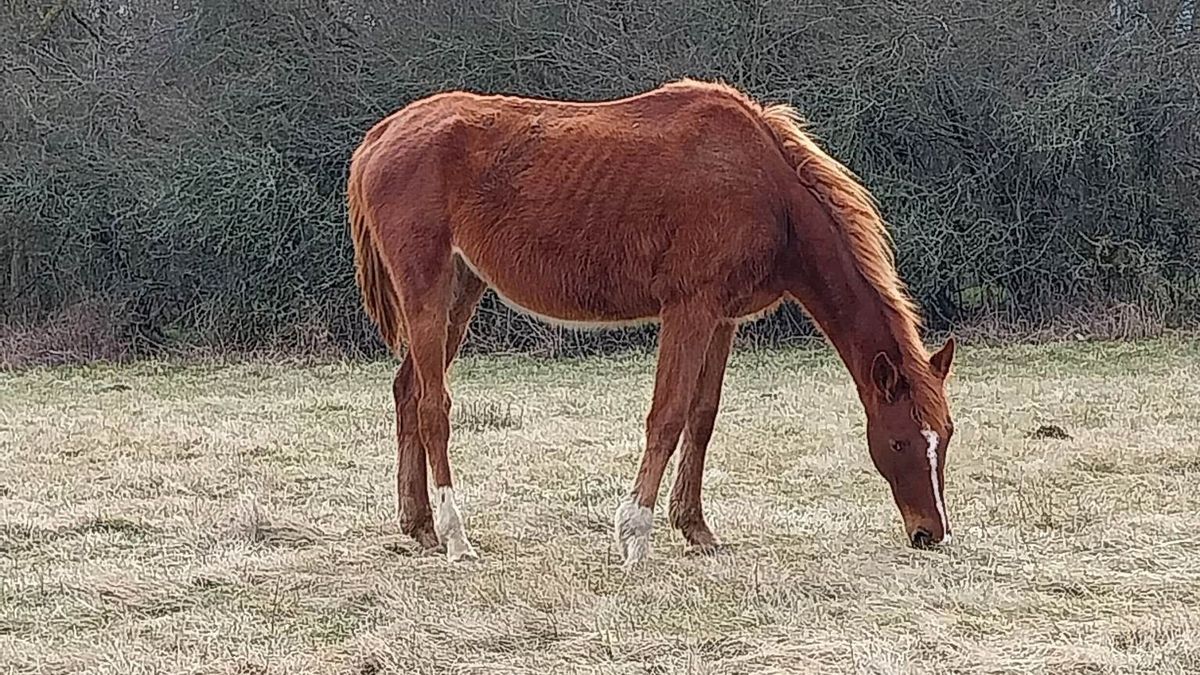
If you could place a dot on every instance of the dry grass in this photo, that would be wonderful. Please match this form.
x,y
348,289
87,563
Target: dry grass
x,y
238,519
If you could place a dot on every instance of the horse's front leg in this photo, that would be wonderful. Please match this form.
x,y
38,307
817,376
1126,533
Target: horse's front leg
x,y
686,510
683,340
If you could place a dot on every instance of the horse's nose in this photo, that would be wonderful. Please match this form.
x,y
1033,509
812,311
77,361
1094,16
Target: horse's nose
x,y
921,538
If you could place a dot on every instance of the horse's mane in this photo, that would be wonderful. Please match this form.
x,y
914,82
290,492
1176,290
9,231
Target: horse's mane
x,y
866,236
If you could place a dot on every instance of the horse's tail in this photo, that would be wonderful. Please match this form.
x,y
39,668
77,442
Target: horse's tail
x,y
379,296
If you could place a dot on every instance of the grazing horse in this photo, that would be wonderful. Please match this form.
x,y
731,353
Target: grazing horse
x,y
691,205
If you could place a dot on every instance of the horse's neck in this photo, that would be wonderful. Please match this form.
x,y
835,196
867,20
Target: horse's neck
x,y
850,312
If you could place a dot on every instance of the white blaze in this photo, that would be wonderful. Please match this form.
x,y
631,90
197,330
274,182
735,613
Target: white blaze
x,y
931,453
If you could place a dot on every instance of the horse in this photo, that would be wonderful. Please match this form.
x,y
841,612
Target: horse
x,y
690,205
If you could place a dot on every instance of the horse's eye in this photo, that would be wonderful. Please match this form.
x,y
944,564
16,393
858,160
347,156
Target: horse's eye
x,y
899,446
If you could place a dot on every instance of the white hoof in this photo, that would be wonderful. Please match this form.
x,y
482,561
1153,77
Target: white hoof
x,y
459,549
447,522
632,526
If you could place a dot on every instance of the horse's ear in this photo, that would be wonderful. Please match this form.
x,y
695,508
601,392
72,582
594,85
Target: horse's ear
x,y
940,361
885,376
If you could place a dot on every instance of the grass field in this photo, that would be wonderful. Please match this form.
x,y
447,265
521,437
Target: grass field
x,y
239,519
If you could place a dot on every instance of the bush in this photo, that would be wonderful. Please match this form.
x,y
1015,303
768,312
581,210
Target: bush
x,y
186,160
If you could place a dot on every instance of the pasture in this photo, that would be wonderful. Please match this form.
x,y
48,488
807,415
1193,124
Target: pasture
x,y
239,518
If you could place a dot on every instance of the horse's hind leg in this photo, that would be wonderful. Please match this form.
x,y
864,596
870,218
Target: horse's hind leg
x,y
412,491
686,511
437,313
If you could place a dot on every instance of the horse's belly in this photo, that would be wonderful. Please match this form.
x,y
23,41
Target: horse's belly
x,y
566,292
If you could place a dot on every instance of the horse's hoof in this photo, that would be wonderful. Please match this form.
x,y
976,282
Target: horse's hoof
x,y
635,550
632,526
460,551
700,539
703,543
708,548
426,539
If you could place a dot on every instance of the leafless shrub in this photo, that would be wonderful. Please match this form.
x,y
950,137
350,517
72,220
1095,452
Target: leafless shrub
x,y
186,160
80,333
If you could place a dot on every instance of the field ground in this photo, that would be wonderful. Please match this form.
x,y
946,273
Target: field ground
x,y
239,519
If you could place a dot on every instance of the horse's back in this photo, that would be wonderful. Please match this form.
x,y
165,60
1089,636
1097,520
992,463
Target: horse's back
x,y
590,212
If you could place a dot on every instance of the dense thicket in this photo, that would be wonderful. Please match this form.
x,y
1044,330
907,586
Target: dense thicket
x,y
180,163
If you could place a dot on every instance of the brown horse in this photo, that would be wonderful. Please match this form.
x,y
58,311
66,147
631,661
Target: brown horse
x,y
691,205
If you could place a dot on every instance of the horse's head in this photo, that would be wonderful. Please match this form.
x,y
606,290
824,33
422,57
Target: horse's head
x,y
908,430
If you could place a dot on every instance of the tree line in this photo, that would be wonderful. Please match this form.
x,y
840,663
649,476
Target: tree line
x,y
176,167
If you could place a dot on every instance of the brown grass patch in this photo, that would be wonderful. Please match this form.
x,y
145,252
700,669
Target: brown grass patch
x,y
158,517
